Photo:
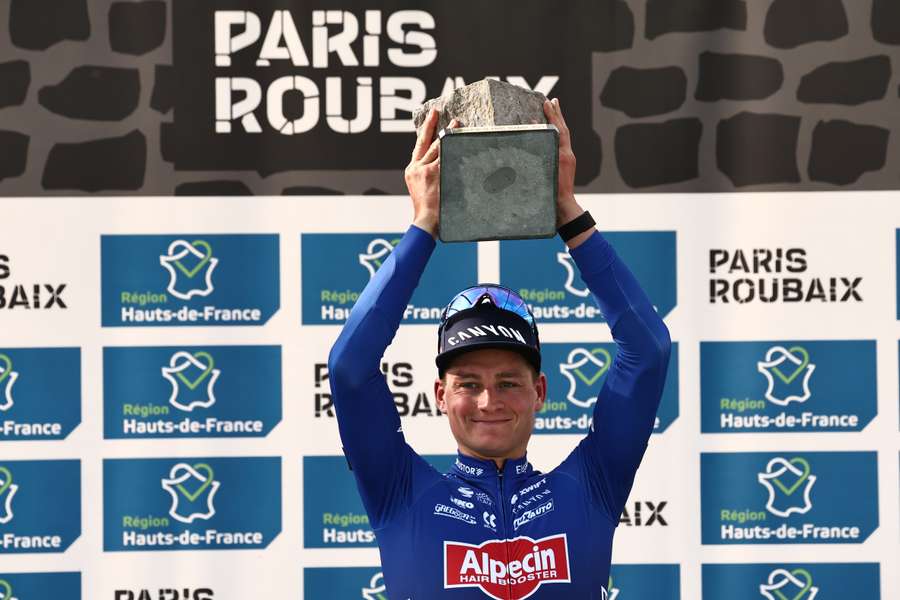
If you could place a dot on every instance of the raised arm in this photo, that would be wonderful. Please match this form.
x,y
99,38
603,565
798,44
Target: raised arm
x,y
367,419
626,406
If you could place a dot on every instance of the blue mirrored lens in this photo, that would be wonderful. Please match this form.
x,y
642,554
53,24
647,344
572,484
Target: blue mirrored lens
x,y
501,297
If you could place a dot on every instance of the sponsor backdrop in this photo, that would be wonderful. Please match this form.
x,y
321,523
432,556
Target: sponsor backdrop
x,y
195,192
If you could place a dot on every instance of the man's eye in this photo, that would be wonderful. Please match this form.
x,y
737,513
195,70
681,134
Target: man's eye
x,y
509,384
468,385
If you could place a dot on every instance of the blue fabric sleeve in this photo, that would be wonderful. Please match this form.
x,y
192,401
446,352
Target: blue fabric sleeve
x,y
382,462
625,412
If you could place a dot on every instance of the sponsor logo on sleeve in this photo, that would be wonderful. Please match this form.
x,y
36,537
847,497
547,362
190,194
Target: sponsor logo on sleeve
x,y
40,505
158,280
544,274
806,581
581,372
30,586
337,266
763,498
787,386
507,569
40,393
197,503
191,391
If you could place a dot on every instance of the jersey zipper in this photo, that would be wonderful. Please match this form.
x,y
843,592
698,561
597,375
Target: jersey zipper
x,y
503,523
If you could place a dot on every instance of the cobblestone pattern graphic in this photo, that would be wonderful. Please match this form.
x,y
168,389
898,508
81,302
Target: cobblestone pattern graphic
x,y
705,96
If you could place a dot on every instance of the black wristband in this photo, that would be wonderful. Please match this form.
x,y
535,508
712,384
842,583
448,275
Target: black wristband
x,y
579,224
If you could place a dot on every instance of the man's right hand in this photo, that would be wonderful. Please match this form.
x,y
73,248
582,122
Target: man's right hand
x,y
423,175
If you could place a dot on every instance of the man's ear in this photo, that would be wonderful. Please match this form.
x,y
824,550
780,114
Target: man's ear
x,y
439,395
540,388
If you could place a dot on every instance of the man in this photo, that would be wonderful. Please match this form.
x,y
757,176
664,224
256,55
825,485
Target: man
x,y
493,526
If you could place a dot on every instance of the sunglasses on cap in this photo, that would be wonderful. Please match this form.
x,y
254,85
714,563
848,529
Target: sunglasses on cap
x,y
497,295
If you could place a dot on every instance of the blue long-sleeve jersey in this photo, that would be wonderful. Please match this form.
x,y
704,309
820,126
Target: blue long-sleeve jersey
x,y
477,531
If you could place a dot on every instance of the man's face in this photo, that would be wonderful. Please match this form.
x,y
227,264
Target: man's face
x,y
490,398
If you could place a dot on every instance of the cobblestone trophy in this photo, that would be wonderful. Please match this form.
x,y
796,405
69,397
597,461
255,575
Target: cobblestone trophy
x,y
499,167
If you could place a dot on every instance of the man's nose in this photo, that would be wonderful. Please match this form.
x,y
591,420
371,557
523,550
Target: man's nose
x,y
489,399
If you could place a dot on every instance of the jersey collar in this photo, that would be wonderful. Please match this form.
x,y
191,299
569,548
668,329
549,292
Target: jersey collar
x,y
469,467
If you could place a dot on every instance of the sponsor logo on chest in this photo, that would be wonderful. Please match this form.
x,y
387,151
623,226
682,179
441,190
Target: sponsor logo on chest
x,y
507,569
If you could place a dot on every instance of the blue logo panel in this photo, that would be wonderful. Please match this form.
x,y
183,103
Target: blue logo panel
x,y
897,279
37,586
333,514
183,391
788,498
644,582
40,505
575,375
544,274
188,280
344,583
40,393
792,581
337,266
786,386
191,503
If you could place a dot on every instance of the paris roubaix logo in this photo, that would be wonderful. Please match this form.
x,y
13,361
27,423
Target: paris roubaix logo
x,y
191,503
576,373
29,377
789,498
333,514
37,586
40,505
186,391
504,569
189,279
545,275
784,386
787,581
337,266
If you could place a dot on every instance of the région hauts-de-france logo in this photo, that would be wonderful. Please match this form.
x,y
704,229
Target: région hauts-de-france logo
x,y
377,589
783,367
789,483
376,253
7,379
6,591
7,490
192,488
789,585
190,266
582,369
568,263
187,373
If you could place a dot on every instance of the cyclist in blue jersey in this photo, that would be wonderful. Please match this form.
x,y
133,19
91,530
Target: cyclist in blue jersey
x,y
493,526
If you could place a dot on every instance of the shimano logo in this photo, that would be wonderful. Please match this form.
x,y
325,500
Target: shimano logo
x,y
467,492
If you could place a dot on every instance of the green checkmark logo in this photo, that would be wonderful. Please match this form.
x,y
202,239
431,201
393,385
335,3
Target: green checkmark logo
x,y
6,363
192,384
207,470
7,589
393,244
7,479
788,490
799,574
604,358
207,255
794,351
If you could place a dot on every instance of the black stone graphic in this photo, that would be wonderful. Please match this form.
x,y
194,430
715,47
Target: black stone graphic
x,y
137,27
842,151
309,190
163,98
375,192
645,92
651,154
668,16
168,145
213,188
105,164
737,77
753,149
38,24
886,21
849,83
15,76
95,93
13,153
791,23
